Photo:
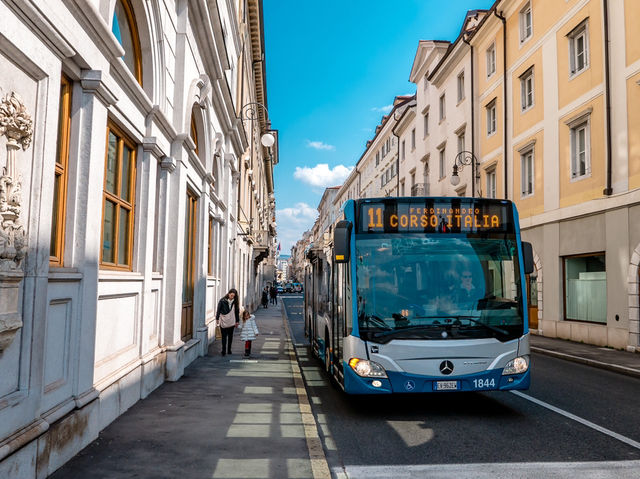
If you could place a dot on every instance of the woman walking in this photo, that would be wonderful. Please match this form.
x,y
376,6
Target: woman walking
x,y
249,331
228,318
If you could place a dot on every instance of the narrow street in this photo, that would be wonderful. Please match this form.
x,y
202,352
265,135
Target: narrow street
x,y
562,427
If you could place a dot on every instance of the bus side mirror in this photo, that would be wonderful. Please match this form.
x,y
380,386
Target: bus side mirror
x,y
342,242
527,258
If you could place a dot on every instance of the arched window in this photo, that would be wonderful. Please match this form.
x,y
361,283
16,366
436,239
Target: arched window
x,y
125,30
194,133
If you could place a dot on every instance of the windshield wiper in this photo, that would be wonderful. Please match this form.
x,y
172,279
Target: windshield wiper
x,y
482,323
492,302
377,321
405,329
469,318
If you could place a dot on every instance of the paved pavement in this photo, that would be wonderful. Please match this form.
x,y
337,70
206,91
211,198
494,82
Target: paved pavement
x,y
227,417
622,362
230,417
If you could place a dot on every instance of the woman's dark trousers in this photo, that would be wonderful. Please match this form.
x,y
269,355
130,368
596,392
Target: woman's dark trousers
x,y
227,339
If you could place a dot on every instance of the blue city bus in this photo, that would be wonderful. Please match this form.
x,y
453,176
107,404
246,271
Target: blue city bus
x,y
418,295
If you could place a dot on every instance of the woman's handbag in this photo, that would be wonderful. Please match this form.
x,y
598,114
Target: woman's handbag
x,y
218,332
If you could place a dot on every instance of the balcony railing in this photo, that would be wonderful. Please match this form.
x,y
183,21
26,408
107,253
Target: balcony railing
x,y
420,189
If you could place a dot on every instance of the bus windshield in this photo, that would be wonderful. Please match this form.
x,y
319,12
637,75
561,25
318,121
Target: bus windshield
x,y
438,287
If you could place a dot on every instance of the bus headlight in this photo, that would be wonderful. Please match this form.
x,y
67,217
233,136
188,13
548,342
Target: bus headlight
x,y
366,368
516,366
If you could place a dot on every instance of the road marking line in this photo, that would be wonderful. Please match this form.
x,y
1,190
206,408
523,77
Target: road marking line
x,y
557,470
582,421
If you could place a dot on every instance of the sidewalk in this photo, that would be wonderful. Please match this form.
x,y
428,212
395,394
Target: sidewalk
x,y
227,417
606,358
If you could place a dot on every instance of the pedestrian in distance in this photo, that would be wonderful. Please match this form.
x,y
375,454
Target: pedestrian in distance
x,y
265,297
273,292
249,331
228,318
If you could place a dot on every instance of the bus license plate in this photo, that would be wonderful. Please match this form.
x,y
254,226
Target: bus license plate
x,y
446,385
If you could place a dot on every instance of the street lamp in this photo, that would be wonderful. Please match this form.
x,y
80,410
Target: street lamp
x,y
253,112
465,158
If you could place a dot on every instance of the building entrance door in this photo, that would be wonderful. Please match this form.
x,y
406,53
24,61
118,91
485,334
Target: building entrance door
x,y
188,279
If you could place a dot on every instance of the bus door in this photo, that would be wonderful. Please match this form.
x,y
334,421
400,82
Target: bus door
x,y
308,303
316,301
532,297
338,329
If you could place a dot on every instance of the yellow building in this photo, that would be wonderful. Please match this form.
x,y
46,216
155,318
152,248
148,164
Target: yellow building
x,y
566,149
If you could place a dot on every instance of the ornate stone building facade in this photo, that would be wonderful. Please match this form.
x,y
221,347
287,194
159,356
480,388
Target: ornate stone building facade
x,y
125,157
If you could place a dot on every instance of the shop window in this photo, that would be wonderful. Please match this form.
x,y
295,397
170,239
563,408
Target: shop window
x,y
585,288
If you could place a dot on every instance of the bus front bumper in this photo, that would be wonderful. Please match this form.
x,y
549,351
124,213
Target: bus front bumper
x,y
398,382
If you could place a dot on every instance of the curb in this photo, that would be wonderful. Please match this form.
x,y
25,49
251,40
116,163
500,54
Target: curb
x,y
319,465
589,362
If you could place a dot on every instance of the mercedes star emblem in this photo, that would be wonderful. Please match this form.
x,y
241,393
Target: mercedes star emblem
x,y
446,367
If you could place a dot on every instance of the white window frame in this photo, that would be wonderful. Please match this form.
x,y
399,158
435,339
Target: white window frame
x,y
492,118
402,150
461,142
491,60
442,162
527,175
527,99
491,183
526,23
461,95
413,139
582,30
426,124
581,124
442,104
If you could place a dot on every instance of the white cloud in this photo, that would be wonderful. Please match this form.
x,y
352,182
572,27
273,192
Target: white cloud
x,y
383,109
319,145
322,175
292,223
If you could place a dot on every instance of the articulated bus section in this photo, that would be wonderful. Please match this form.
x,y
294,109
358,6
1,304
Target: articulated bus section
x,y
421,295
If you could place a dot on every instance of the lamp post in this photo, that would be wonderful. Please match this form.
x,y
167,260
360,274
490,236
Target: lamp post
x,y
465,158
252,112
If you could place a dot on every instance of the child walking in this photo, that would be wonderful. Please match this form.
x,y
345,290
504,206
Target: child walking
x,y
249,331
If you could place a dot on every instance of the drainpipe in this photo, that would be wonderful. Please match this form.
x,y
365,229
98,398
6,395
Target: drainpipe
x,y
473,119
608,191
504,90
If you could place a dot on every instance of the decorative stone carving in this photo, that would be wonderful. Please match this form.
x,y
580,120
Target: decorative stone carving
x,y
17,126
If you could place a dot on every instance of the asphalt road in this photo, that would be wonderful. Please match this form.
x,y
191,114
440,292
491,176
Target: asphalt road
x,y
574,421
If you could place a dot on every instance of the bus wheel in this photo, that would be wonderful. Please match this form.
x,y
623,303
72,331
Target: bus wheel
x,y
327,353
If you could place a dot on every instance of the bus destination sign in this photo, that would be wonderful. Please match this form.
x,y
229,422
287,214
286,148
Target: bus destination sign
x,y
434,216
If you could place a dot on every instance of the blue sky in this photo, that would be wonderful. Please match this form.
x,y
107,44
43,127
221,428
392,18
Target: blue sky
x,y
333,69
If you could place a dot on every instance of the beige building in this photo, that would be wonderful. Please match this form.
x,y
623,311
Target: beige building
x,y
569,162
442,72
542,93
